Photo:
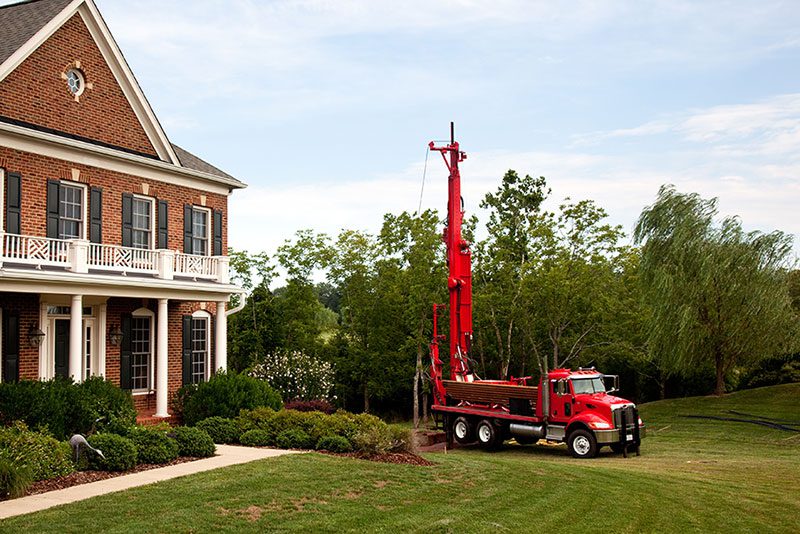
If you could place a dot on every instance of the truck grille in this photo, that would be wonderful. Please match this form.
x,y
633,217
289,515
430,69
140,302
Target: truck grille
x,y
628,413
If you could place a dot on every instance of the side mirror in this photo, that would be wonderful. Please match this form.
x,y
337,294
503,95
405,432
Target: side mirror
x,y
613,387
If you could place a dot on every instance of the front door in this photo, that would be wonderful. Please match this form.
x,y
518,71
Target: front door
x,y
62,347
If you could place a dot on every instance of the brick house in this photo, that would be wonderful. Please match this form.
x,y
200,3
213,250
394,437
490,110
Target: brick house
x,y
112,239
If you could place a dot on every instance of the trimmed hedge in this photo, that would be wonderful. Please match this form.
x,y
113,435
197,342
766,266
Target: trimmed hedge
x,y
221,429
120,453
257,438
66,408
334,444
194,442
225,395
294,439
153,446
42,455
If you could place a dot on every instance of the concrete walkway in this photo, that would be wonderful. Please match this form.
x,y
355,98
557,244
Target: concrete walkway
x,y
226,455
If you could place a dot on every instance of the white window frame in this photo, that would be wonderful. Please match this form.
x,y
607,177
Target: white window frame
x,y
84,204
140,313
153,229
204,315
209,229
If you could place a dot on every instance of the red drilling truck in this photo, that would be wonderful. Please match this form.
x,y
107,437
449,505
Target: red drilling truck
x,y
575,407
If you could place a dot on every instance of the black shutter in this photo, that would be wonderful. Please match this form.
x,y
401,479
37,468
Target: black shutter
x,y
162,224
96,215
187,228
127,220
125,381
217,233
14,203
53,190
10,347
186,353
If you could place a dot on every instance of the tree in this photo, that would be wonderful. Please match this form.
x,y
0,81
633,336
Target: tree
x,y
719,295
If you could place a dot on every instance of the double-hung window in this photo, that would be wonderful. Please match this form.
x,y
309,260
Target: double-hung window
x,y
200,228
199,349
142,228
70,211
141,351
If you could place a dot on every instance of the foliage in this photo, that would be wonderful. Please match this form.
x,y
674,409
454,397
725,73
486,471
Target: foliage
x,y
314,405
402,438
225,394
334,444
193,441
66,408
296,375
773,371
257,438
718,293
373,440
153,446
14,480
294,439
37,452
120,453
220,429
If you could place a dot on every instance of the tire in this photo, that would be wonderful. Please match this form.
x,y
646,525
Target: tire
x,y
617,447
488,436
463,430
582,444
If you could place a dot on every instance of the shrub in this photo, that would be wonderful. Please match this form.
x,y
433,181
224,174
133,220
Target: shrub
x,y
37,452
65,408
14,481
257,438
225,395
220,429
178,400
255,419
317,405
373,440
294,439
296,375
772,371
120,453
153,446
401,438
193,441
334,444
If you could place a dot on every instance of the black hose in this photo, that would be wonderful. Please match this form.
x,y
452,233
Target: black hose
x,y
768,424
763,418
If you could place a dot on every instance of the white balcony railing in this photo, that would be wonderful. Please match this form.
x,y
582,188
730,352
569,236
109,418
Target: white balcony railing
x,y
123,259
79,256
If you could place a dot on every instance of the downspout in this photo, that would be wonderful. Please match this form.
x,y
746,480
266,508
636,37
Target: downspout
x,y
239,307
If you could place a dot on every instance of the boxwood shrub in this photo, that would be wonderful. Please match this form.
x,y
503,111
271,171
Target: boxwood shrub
x,y
257,438
294,439
334,444
221,429
194,442
153,446
37,452
225,395
120,453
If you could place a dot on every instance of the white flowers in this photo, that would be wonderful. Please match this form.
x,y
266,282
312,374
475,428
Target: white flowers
x,y
296,375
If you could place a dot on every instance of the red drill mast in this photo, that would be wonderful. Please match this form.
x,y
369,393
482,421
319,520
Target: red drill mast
x,y
459,280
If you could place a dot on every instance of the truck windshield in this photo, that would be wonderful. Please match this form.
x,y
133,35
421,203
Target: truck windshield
x,y
588,385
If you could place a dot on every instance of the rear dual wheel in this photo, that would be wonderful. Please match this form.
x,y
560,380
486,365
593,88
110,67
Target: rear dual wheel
x,y
463,430
488,435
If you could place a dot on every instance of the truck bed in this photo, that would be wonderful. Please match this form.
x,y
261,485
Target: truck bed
x,y
519,399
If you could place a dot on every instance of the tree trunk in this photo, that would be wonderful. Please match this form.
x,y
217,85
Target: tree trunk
x,y
425,409
719,389
417,374
366,398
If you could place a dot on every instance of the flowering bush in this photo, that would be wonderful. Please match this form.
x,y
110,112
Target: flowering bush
x,y
296,375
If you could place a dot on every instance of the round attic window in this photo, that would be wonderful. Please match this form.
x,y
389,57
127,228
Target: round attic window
x,y
75,81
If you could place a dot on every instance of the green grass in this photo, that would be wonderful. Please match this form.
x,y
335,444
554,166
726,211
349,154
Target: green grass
x,y
693,475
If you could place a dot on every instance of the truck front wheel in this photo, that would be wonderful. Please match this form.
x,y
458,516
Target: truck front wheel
x,y
487,434
582,444
463,430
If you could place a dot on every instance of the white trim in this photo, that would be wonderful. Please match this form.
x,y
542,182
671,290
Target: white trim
x,y
73,150
203,314
84,205
102,319
45,372
144,312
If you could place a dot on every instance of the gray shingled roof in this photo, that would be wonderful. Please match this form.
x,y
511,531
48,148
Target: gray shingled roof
x,y
20,22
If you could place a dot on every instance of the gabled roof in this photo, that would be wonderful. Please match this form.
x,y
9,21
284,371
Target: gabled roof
x,y
26,25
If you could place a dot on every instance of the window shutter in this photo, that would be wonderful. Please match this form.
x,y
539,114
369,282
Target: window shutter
x,y
96,215
187,228
127,220
186,354
217,233
162,224
10,347
14,203
53,189
125,354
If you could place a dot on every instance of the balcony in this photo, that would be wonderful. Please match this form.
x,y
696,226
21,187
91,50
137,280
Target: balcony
x,y
80,256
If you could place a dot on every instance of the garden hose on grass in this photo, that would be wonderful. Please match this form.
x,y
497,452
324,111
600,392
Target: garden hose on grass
x,y
769,424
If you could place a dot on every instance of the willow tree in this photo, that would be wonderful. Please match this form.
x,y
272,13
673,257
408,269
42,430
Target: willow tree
x,y
719,295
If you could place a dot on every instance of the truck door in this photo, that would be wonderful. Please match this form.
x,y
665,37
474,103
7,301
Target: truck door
x,y
560,401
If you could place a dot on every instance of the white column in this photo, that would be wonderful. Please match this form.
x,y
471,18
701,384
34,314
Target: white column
x,y
221,337
102,313
76,338
79,256
162,359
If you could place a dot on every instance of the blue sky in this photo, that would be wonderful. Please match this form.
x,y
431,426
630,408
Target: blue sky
x,y
325,107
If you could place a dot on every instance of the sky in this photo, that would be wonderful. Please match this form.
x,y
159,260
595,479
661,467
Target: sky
x,y
325,107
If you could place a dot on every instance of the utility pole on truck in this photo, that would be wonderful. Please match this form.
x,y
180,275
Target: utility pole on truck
x,y
575,407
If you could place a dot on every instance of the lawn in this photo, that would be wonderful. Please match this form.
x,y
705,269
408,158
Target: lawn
x,y
693,475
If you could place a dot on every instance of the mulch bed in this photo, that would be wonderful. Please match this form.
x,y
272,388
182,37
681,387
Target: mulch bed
x,y
84,477
406,458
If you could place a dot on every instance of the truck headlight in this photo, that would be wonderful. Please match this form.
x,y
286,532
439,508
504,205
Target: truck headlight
x,y
640,422
600,425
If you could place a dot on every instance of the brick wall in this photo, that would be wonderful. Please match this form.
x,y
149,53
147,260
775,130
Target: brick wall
x,y
36,170
35,92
